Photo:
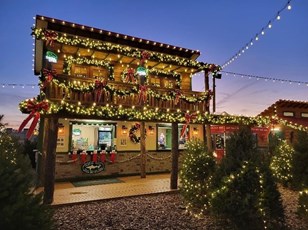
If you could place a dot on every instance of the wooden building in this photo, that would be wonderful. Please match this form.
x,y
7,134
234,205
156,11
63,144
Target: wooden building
x,y
287,117
112,104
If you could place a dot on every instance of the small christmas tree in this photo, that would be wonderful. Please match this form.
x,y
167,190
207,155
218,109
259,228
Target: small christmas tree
x,y
198,166
243,189
19,207
281,163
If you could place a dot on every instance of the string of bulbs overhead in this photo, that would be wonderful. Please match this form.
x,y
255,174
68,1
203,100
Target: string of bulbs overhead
x,y
269,25
249,76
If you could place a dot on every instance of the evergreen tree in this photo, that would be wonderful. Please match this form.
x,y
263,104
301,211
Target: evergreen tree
x,y
20,208
300,159
197,167
243,189
281,163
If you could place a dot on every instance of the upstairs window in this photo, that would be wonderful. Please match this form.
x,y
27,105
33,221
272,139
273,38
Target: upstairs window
x,y
288,114
304,115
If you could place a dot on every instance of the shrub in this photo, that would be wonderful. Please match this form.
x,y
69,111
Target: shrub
x,y
20,208
198,166
281,163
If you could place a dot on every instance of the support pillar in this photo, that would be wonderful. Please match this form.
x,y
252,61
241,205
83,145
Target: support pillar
x,y
50,145
175,156
142,150
207,109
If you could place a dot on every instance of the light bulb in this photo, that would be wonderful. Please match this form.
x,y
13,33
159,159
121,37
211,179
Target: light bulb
x,y
278,17
289,7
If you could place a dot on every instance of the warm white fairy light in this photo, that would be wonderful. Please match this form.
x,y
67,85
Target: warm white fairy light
x,y
262,32
278,80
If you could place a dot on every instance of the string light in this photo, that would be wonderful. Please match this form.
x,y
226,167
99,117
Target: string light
x,y
274,80
257,37
14,85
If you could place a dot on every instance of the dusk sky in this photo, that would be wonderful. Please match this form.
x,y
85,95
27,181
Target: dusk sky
x,y
218,28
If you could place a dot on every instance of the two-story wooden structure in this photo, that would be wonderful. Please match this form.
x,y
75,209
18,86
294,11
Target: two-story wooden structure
x,y
110,103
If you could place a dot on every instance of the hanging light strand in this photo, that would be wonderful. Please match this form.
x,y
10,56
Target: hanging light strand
x,y
279,80
14,85
258,35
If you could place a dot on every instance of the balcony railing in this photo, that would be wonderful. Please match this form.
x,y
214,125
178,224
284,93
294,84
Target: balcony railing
x,y
74,90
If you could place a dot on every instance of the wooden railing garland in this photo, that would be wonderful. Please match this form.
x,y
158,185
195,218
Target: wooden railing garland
x,y
158,158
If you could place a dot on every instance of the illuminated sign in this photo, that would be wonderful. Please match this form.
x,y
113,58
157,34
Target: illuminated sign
x,y
91,167
51,57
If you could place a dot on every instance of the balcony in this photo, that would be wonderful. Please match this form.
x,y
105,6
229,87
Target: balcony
x,y
82,90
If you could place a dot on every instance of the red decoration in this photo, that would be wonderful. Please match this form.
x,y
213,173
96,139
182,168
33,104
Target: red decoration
x,y
142,94
112,156
50,37
99,86
177,96
188,119
130,76
34,108
74,156
83,156
144,56
94,156
49,75
103,156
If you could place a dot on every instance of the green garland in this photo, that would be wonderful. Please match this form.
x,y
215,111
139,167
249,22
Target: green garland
x,y
148,114
134,90
178,77
68,61
39,33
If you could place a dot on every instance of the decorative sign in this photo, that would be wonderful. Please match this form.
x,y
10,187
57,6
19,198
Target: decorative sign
x,y
51,57
91,167
76,132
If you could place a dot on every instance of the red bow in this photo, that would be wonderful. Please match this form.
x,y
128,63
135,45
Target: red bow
x,y
50,37
34,107
144,56
99,85
130,75
49,75
188,119
142,93
177,96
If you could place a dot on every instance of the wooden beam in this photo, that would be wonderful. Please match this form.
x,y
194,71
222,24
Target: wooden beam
x,y
175,156
50,142
142,150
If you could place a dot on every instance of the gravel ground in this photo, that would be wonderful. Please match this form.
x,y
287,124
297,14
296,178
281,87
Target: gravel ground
x,y
153,212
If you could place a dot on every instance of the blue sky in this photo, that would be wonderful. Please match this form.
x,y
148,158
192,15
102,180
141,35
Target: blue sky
x,y
218,28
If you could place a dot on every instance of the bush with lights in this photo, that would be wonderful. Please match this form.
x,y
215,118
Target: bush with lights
x,y
300,159
20,208
303,203
197,168
281,163
243,189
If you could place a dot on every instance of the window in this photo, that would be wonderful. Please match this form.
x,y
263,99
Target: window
x,y
93,137
80,71
164,137
155,81
304,115
288,114
99,72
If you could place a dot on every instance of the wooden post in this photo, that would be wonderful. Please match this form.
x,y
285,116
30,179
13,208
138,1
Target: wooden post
x,y
175,156
214,95
143,156
50,142
207,109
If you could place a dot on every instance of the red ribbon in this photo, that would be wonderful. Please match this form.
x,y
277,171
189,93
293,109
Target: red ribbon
x,y
49,75
34,107
144,56
177,96
99,86
130,76
83,156
188,119
50,37
142,93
